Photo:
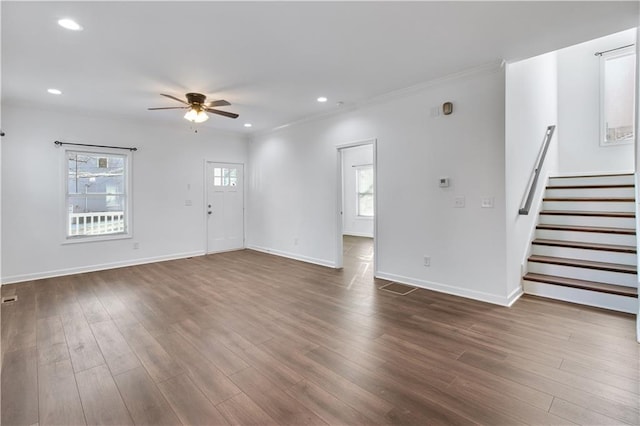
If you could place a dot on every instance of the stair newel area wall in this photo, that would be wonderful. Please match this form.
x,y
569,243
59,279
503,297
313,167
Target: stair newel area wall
x,y
585,248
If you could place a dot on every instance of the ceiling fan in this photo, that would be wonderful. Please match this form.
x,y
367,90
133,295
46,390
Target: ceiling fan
x,y
197,108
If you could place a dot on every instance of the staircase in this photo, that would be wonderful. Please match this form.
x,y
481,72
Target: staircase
x,y
584,249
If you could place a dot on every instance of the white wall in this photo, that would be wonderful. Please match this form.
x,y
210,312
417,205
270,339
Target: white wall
x,y
579,110
170,156
353,224
293,186
531,106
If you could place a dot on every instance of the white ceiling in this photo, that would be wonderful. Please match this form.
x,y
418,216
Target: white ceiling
x,y
271,60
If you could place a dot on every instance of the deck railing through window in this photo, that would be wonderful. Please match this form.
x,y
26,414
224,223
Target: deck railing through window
x,y
95,223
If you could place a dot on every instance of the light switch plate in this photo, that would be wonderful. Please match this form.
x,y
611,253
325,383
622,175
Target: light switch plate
x,y
458,202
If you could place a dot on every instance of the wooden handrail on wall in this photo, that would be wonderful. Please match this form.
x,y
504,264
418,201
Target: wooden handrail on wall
x,y
524,210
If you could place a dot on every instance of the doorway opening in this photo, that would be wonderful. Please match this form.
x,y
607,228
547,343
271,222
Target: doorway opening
x,y
356,219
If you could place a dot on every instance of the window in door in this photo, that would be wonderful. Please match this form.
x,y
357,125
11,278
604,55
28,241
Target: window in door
x,y
617,97
223,176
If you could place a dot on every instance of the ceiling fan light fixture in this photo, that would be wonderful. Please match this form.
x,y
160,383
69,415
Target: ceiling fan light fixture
x,y
196,115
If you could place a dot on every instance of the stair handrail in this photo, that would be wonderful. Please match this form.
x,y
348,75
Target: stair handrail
x,y
546,141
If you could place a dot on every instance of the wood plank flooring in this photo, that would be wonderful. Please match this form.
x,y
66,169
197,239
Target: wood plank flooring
x,y
245,338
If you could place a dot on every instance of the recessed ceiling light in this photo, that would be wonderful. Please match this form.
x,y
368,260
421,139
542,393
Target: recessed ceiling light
x,y
54,91
69,24
322,99
248,124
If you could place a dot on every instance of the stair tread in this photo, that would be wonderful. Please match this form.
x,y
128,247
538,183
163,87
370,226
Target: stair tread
x,y
577,228
584,245
599,186
594,199
580,263
592,176
587,213
583,284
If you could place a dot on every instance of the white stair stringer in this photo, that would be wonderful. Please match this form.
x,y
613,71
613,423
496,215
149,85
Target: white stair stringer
x,y
585,244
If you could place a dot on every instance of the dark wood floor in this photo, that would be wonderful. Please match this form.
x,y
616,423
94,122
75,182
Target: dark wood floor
x,y
246,338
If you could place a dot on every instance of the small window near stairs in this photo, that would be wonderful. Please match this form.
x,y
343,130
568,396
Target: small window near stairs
x,y
617,97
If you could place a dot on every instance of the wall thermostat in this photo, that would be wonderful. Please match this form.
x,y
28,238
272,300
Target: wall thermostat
x,y
444,182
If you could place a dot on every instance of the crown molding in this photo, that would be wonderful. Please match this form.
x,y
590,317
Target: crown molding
x,y
487,68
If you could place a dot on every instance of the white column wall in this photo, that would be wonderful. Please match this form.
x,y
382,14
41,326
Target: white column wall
x,y
293,189
531,106
168,170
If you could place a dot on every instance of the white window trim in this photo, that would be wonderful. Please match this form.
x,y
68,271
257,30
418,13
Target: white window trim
x,y
65,239
603,58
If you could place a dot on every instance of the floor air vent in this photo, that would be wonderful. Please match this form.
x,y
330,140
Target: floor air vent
x,y
398,288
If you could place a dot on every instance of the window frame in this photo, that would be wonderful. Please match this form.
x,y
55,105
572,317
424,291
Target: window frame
x,y
127,195
359,194
604,57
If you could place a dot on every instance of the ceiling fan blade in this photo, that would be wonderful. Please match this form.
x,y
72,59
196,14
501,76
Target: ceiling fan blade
x,y
224,113
221,102
169,108
174,98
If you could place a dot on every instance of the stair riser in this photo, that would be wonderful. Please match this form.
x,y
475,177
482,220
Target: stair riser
x,y
607,277
583,254
583,297
590,206
591,192
608,222
596,180
587,237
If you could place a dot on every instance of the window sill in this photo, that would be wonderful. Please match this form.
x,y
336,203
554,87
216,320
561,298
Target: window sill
x,y
97,238
617,143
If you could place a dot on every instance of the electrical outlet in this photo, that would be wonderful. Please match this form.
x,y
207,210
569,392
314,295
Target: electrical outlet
x,y
486,202
295,241
136,246
458,202
427,261
188,203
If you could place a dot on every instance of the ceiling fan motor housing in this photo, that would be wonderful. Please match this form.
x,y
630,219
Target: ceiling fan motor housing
x,y
195,98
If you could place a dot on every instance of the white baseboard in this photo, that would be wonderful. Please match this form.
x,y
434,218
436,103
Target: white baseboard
x,y
455,291
514,296
294,256
93,268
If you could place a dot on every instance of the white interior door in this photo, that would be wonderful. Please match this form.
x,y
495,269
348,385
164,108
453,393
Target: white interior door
x,y
225,207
